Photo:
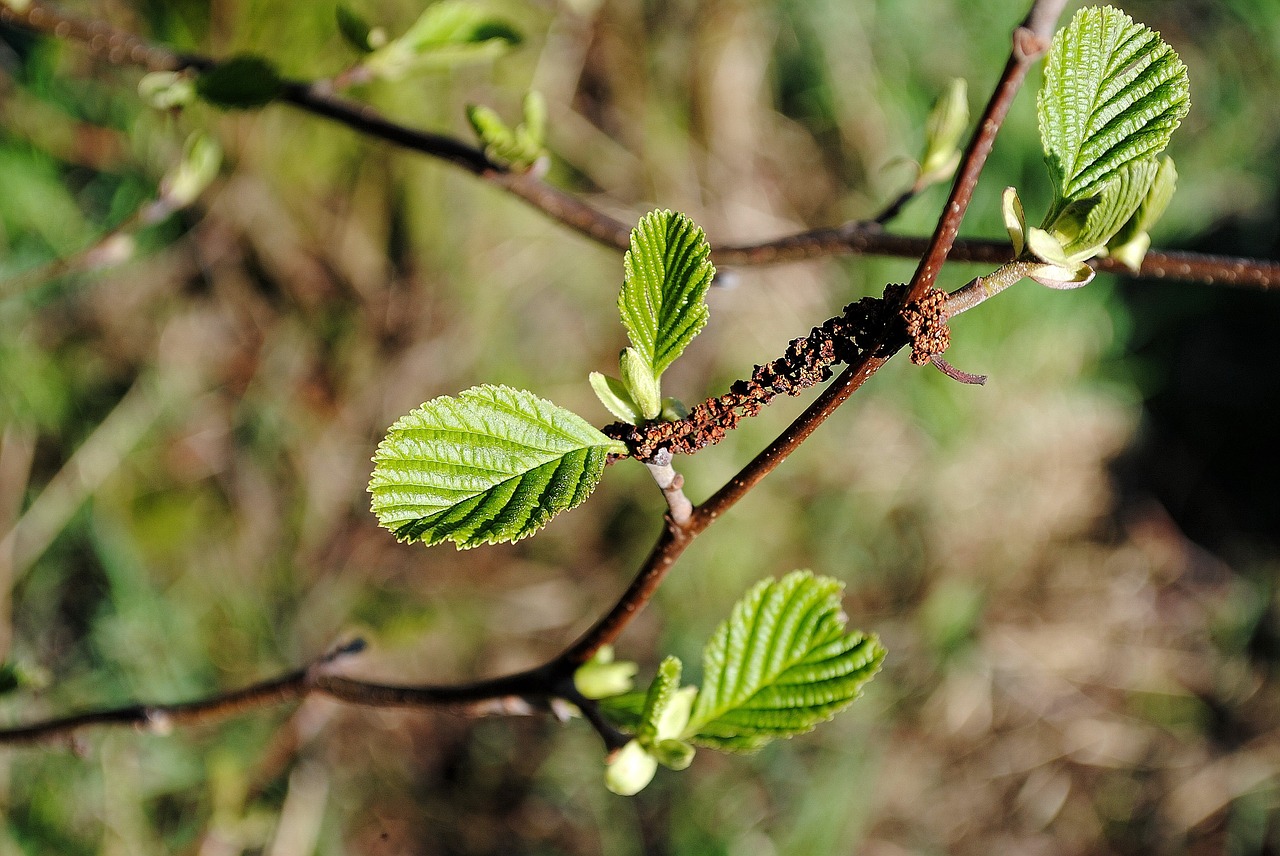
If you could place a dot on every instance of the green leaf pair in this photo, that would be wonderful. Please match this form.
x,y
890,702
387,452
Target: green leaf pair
x,y
780,664
1113,94
666,274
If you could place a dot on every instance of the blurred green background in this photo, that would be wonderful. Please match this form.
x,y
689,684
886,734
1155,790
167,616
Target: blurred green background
x,y
1074,568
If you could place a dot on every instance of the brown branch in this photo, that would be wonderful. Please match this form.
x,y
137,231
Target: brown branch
x,y
853,238
553,679
1030,42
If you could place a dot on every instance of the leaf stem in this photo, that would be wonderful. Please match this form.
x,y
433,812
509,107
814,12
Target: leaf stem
x,y
977,290
672,485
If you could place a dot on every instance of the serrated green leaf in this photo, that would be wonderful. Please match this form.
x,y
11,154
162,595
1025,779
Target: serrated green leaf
x,y
779,665
446,34
1113,93
241,82
493,464
667,273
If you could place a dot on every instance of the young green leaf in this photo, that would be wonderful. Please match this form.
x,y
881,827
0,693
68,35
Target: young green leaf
x,y
1130,244
1083,227
493,464
641,382
1015,221
603,677
520,148
666,275
533,130
613,394
241,82
446,34
660,696
661,720
628,770
167,90
779,665
201,159
1113,93
942,133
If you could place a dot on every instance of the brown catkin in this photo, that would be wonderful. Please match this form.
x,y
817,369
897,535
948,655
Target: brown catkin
x,y
807,361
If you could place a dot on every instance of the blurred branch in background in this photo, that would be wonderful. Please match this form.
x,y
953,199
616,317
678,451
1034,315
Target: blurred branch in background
x,y
854,238
180,187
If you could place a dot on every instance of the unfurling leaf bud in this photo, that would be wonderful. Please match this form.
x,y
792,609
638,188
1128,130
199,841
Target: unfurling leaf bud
x,y
629,769
942,133
600,677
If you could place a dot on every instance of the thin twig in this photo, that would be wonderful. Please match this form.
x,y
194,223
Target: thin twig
x,y
854,238
1030,42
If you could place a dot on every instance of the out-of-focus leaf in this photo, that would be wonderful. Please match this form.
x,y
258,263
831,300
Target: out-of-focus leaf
x,y
446,34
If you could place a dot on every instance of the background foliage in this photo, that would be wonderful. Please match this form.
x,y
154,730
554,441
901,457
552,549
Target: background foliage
x,y
1073,569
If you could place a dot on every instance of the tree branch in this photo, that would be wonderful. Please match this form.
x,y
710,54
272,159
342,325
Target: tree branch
x,y
865,237
544,682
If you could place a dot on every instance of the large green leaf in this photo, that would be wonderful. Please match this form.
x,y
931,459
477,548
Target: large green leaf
x,y
779,665
493,464
1113,93
666,275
